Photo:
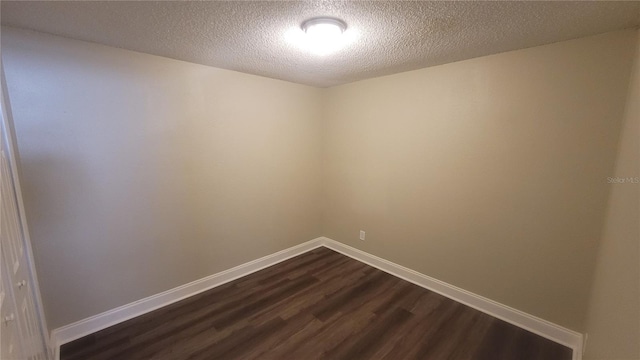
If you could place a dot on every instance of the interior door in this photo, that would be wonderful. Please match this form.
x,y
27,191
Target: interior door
x,y
17,272
10,347
9,333
21,331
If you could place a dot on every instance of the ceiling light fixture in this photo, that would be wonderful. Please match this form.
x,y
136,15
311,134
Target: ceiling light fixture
x,y
323,34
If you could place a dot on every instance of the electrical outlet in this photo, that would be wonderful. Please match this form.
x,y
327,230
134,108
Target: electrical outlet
x,y
361,235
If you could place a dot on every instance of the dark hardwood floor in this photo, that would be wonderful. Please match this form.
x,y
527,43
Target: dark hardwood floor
x,y
317,305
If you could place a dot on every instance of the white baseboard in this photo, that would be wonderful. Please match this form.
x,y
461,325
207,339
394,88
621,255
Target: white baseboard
x,y
518,318
115,316
521,319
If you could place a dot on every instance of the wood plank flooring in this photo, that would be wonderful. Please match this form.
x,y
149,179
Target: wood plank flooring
x,y
319,305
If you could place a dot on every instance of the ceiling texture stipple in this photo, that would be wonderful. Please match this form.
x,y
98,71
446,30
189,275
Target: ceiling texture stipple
x,y
392,36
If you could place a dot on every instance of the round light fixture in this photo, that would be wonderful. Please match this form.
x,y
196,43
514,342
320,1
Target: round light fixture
x,y
324,34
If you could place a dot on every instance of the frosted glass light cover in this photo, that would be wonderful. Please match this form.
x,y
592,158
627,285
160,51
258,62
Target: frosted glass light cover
x,y
324,35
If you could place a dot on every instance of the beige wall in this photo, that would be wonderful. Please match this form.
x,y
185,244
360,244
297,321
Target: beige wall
x,y
613,321
489,174
142,173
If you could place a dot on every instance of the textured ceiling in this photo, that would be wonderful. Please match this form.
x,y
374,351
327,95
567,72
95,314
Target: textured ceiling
x,y
390,36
